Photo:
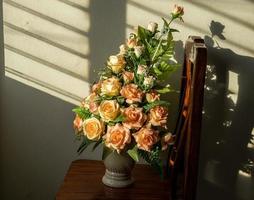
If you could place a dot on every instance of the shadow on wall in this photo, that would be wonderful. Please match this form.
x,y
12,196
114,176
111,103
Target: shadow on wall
x,y
228,124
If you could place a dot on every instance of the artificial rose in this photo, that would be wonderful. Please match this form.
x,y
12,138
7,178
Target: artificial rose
x,y
128,76
116,63
166,140
152,96
123,49
138,50
149,80
158,116
132,41
132,93
90,103
109,110
96,88
111,86
146,138
93,128
117,137
134,118
152,26
77,123
141,69
178,11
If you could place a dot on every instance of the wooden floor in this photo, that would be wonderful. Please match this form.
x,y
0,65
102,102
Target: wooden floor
x,y
83,181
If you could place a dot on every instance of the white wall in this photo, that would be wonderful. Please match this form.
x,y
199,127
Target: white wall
x,y
37,142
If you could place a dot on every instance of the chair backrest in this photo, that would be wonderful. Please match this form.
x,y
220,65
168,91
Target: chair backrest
x,y
183,158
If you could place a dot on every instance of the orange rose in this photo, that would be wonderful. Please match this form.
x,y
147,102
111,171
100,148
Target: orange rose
x,y
146,138
158,116
111,86
93,128
77,123
152,96
134,118
166,140
132,93
109,110
116,63
128,76
117,137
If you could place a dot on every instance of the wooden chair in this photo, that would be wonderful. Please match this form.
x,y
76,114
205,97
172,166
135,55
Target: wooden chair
x,y
83,179
183,159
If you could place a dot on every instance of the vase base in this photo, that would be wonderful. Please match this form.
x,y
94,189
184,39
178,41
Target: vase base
x,y
117,180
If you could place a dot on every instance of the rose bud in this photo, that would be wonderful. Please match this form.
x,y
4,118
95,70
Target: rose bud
x,y
152,26
178,11
132,40
167,139
141,69
138,50
123,49
116,63
128,76
148,80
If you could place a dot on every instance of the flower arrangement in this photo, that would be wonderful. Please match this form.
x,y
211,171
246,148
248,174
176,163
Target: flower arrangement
x,y
124,111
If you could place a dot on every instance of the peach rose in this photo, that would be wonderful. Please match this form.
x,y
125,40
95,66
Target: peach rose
x,y
158,116
93,128
166,140
116,63
128,76
111,86
109,110
134,118
138,50
117,137
141,69
132,93
152,96
96,88
146,138
77,123
90,103
132,40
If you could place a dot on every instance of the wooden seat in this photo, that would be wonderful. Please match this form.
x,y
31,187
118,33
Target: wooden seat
x,y
83,179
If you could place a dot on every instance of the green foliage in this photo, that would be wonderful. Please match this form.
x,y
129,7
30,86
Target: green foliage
x,y
119,119
83,113
149,106
165,89
133,153
152,158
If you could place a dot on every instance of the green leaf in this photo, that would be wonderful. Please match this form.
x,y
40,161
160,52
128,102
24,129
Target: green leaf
x,y
119,119
106,152
83,113
85,143
164,90
144,34
149,106
96,144
120,99
133,153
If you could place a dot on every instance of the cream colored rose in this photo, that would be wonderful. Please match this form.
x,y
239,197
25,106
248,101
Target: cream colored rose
x,y
149,80
128,76
152,26
158,116
152,96
111,86
132,40
77,123
146,138
134,118
123,49
138,50
141,69
117,137
166,140
109,110
93,128
132,93
116,63
178,11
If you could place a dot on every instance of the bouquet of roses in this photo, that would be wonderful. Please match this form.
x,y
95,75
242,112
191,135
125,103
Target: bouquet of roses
x,y
124,111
